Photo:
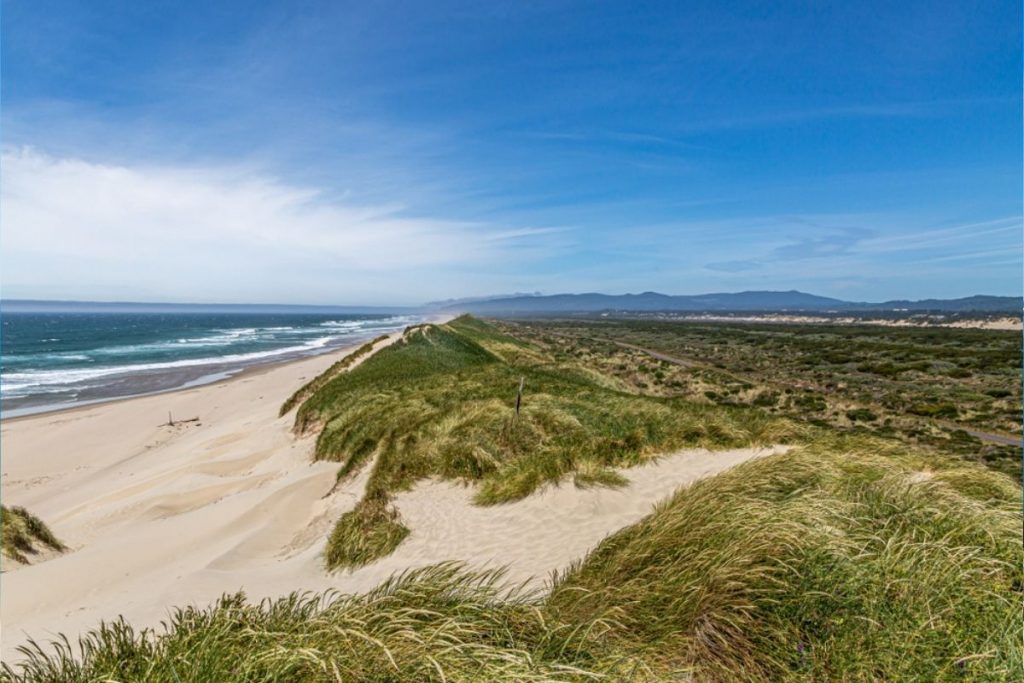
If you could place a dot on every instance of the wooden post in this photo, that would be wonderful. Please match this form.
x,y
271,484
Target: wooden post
x,y
519,395
170,420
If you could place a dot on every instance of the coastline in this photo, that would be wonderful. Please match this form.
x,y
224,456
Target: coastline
x,y
160,516
117,484
131,381
242,372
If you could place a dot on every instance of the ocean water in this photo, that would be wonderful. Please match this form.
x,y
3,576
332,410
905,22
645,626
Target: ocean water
x,y
52,360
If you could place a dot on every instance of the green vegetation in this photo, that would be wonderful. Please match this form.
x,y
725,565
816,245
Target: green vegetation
x,y
337,368
23,533
846,560
927,386
861,415
849,558
437,624
370,530
440,402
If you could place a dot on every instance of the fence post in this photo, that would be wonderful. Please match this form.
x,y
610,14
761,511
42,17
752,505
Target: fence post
x,y
519,395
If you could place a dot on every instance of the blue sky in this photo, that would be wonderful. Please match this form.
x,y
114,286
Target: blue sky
x,y
386,153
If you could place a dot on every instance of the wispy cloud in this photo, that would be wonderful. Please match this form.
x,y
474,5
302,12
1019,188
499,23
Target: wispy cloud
x,y
980,254
607,136
835,242
942,236
878,110
738,266
180,231
504,235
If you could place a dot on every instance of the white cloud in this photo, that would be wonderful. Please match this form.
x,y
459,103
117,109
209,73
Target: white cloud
x,y
73,228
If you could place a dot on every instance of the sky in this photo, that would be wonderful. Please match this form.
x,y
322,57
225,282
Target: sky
x,y
401,152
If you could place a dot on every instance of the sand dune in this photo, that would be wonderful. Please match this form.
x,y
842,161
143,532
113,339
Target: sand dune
x,y
159,516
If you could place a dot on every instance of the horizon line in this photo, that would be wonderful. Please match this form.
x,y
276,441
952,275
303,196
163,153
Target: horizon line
x,y
467,300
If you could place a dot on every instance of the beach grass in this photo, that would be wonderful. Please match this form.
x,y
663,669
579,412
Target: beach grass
x,y
441,403
846,558
344,364
24,534
435,624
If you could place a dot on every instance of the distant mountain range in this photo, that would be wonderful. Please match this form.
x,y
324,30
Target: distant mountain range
x,y
530,304
739,301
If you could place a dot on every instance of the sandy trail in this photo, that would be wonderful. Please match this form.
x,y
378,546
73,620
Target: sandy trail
x,y
160,516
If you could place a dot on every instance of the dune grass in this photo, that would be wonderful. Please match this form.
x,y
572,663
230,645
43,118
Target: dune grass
x,y
435,624
844,560
311,386
24,534
440,403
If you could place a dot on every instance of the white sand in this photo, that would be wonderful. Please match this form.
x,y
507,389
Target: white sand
x,y
159,516
913,320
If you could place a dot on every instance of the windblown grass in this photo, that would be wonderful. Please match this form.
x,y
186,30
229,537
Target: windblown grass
x,y
24,533
370,530
435,624
843,560
839,561
440,402
311,386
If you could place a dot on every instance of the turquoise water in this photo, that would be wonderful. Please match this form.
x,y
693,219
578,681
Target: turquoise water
x,y
53,360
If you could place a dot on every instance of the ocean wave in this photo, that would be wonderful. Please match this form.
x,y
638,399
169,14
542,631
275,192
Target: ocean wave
x,y
17,382
52,372
342,323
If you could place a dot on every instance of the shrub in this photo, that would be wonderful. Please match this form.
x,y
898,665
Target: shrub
x,y
861,415
941,410
23,533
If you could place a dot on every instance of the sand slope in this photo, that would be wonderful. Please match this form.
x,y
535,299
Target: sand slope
x,y
160,516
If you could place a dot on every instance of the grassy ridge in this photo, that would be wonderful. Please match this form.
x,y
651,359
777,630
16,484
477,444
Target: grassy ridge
x,y
24,533
345,363
440,402
847,559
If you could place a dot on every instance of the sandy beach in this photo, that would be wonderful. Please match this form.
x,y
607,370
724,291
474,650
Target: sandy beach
x,y
159,516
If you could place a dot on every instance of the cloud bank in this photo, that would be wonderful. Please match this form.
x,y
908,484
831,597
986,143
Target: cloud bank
x,y
204,234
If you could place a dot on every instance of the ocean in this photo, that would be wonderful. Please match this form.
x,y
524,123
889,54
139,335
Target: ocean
x,y
52,360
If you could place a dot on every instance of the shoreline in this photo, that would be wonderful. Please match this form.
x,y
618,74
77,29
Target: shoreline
x,y
159,516
242,372
216,371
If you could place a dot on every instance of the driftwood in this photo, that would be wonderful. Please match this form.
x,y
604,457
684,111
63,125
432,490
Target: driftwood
x,y
171,421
